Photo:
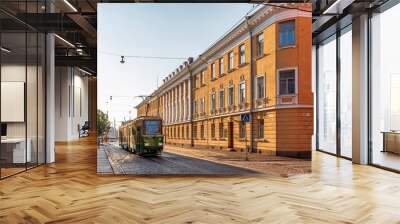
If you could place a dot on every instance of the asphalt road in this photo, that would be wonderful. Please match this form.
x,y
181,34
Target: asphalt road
x,y
124,162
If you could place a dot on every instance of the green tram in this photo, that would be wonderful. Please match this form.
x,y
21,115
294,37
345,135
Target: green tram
x,y
142,136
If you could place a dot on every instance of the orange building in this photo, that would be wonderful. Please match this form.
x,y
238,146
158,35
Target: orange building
x,y
261,67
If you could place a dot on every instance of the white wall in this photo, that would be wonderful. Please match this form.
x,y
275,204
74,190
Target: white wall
x,y
71,102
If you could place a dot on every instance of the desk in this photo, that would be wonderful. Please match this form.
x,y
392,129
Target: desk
x,y
13,150
391,141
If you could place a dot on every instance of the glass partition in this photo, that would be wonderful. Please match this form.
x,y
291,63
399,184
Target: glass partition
x,y
346,94
22,88
327,95
15,151
385,89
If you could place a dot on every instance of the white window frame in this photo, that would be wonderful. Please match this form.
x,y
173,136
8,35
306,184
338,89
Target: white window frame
x,y
231,60
256,84
279,34
295,81
242,124
195,106
231,102
239,98
244,54
202,105
221,131
213,103
213,72
258,44
221,104
202,78
259,129
221,66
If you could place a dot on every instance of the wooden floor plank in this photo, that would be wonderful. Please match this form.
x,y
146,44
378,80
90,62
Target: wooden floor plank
x,y
70,191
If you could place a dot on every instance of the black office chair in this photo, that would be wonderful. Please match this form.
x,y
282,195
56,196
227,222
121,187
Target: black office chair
x,y
84,130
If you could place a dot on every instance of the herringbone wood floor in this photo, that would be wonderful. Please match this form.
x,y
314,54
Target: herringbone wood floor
x,y
70,191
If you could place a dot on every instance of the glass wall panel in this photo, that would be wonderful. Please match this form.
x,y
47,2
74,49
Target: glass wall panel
x,y
14,153
31,97
41,98
22,88
327,95
385,89
346,92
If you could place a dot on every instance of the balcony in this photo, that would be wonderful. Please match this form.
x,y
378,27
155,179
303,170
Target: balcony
x,y
231,108
243,106
262,102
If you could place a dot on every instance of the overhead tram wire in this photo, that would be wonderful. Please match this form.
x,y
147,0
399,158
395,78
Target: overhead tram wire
x,y
143,57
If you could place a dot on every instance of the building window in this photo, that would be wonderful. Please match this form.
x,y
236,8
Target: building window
x,y
221,66
260,87
213,130
221,130
287,82
194,107
213,102
242,92
231,92
260,45
242,54
221,98
287,34
231,60
202,105
242,130
195,81
261,128
202,78
183,132
213,71
187,132
202,131
194,131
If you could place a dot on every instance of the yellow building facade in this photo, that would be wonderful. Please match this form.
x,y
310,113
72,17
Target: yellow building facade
x,y
262,67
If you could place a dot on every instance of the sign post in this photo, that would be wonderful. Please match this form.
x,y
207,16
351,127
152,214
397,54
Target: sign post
x,y
245,118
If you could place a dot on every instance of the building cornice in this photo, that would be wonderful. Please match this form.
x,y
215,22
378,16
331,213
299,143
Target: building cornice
x,y
257,21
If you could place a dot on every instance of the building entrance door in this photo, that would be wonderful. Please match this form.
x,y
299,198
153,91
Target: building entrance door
x,y
230,135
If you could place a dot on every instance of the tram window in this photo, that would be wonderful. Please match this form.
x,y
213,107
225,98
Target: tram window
x,y
152,127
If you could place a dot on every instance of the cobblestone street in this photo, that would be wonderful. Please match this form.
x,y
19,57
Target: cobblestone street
x,y
124,162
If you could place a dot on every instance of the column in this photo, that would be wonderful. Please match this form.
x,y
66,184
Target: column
x,y
184,100
181,102
190,97
360,90
50,98
178,100
176,104
170,106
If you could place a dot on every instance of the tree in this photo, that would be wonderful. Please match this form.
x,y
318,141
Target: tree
x,y
103,124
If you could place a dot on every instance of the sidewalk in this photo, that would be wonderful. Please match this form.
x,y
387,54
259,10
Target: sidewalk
x,y
274,165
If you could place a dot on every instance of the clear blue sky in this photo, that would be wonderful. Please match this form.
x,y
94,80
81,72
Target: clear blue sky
x,y
169,30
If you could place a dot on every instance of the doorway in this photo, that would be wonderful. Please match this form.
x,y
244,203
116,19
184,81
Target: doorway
x,y
230,135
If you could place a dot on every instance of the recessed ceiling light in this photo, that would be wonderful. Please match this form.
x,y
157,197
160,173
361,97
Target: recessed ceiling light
x,y
5,50
64,40
70,5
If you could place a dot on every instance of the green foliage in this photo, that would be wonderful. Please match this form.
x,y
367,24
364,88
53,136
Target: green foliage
x,y
103,124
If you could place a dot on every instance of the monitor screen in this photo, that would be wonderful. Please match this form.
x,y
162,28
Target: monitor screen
x,y
3,129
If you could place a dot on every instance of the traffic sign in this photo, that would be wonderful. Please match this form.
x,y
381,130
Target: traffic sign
x,y
245,117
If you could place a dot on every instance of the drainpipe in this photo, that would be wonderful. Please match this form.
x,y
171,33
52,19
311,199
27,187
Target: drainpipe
x,y
251,85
